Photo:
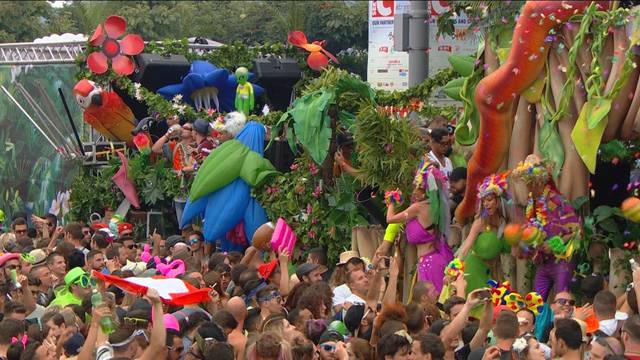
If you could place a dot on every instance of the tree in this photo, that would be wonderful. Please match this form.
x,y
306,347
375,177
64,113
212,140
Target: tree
x,y
23,20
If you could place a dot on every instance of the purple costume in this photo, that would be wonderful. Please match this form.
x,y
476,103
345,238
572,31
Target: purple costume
x,y
555,216
430,266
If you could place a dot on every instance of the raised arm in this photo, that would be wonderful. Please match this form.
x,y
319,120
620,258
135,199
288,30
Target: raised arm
x,y
158,332
283,259
403,216
470,240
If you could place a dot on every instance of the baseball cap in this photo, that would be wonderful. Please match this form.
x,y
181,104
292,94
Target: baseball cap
x,y
173,240
305,269
201,126
330,335
9,256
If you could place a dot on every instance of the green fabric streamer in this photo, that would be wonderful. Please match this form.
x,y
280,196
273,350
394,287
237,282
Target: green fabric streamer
x,y
550,145
231,160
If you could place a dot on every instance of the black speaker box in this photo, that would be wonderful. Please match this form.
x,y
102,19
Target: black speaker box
x,y
277,76
155,71
280,155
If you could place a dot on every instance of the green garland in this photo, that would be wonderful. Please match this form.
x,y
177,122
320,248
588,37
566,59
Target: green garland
x,y
227,56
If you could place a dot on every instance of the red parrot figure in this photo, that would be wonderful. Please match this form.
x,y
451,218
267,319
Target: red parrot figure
x,y
317,59
105,111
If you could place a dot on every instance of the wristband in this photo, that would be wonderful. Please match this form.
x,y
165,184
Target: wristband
x,y
391,232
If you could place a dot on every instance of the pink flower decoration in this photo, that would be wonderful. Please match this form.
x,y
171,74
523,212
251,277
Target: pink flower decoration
x,y
313,169
309,209
294,167
106,37
311,234
317,192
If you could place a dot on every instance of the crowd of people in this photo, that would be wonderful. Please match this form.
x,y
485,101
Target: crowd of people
x,y
64,295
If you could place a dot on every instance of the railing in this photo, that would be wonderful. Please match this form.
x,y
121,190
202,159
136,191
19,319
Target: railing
x,y
57,53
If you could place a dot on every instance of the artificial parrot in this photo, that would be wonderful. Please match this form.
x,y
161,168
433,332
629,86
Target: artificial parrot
x,y
105,111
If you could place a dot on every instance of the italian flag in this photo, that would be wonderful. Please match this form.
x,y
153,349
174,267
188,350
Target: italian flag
x,y
172,291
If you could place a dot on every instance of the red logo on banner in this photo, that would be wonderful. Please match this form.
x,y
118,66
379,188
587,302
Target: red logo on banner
x,y
439,7
383,8
383,49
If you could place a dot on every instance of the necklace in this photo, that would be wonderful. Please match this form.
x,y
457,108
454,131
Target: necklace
x,y
537,211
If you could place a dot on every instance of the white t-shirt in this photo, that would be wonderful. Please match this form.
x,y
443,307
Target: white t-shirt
x,y
447,167
341,294
355,300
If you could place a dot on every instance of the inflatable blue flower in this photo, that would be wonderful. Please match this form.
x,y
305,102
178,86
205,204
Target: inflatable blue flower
x,y
207,86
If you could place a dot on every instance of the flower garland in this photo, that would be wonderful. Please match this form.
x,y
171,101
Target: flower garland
x,y
537,211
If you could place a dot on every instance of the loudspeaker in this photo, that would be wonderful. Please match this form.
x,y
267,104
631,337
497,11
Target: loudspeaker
x,y
280,155
155,71
277,77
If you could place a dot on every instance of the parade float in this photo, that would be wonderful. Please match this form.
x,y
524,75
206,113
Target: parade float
x,y
554,78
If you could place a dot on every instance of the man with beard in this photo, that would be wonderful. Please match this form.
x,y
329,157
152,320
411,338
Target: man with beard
x,y
440,143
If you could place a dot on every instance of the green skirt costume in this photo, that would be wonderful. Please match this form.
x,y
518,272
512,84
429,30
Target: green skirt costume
x,y
486,247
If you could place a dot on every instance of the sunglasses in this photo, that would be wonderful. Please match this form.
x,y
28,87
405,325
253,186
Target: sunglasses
x,y
132,246
328,347
193,241
14,267
179,349
565,302
273,295
85,281
135,321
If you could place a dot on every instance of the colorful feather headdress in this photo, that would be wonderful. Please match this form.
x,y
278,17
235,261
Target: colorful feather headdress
x,y
429,176
533,169
493,184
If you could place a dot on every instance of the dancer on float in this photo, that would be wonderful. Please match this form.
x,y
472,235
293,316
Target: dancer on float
x,y
559,226
484,243
427,223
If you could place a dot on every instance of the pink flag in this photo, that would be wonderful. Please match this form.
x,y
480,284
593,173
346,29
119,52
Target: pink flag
x,y
124,184
283,237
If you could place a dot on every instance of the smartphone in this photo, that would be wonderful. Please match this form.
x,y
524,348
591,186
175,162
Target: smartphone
x,y
484,294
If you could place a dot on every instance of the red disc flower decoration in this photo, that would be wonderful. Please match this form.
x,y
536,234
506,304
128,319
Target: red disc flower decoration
x,y
106,37
317,59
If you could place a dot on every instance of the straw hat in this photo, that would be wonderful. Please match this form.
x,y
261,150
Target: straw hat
x,y
347,255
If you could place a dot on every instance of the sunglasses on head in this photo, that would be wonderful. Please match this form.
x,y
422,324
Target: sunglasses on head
x,y
85,281
328,347
135,321
565,302
273,295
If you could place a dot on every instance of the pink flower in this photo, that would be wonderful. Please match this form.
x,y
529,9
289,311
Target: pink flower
x,y
314,221
294,167
313,169
211,112
311,234
309,209
317,192
272,190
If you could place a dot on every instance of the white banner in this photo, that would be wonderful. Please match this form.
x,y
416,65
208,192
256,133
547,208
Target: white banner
x,y
463,42
386,68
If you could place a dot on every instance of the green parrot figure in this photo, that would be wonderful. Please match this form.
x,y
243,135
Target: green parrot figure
x,y
244,92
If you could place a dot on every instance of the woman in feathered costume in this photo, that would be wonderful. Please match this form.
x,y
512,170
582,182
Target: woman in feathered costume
x,y
556,224
427,223
484,242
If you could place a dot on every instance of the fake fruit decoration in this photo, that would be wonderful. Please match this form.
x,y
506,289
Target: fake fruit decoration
x,y
512,233
487,246
105,111
532,235
496,94
114,50
317,59
141,141
631,209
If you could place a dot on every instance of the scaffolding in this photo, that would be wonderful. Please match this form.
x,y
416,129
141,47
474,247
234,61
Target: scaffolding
x,y
59,53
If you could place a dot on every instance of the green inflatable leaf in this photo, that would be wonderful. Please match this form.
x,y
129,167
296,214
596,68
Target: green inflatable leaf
x,y
452,89
588,140
550,145
312,124
462,64
229,161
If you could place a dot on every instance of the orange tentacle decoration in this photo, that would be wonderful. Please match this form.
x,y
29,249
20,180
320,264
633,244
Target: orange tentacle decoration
x,y
495,94
318,57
